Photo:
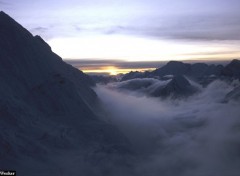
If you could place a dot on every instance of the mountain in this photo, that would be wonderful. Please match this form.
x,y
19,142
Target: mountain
x,y
102,79
132,75
138,84
200,72
175,87
173,68
178,87
232,69
48,111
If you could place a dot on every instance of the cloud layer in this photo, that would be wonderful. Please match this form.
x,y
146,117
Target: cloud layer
x,y
194,137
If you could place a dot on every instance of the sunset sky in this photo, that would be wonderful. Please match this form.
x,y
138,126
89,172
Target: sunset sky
x,y
142,33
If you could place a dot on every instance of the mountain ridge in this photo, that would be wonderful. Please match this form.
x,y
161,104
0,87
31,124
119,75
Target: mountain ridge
x,y
47,108
201,72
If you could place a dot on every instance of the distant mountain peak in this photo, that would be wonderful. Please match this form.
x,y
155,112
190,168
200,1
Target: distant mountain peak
x,y
173,68
235,60
178,87
174,62
232,69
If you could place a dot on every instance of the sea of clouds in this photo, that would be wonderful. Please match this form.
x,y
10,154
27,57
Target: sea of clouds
x,y
196,136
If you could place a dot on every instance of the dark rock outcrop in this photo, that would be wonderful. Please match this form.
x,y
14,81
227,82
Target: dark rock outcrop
x,y
132,75
232,69
178,87
173,68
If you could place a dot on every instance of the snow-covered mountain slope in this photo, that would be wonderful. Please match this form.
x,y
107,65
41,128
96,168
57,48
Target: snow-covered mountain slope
x,y
47,111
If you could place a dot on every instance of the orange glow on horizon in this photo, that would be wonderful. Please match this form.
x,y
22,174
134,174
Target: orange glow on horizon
x,y
113,70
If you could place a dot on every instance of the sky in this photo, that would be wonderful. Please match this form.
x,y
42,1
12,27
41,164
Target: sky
x,y
133,31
